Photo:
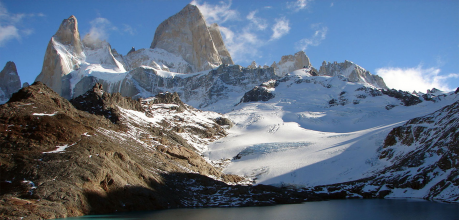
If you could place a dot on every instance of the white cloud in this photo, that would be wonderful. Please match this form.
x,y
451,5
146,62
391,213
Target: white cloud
x,y
280,28
320,32
298,5
216,13
332,4
241,45
9,25
259,23
101,28
8,33
128,29
415,78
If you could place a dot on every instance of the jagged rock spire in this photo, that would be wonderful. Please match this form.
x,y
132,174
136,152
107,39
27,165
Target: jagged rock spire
x,y
225,56
68,34
55,64
9,81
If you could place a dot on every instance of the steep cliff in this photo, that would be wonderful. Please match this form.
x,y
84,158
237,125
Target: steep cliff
x,y
225,56
186,34
63,54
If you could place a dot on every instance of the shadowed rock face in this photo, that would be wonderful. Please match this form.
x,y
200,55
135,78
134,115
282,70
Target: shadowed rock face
x,y
9,81
186,34
261,92
99,102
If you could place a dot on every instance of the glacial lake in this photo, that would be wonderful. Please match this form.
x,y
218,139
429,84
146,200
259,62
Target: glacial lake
x,y
373,209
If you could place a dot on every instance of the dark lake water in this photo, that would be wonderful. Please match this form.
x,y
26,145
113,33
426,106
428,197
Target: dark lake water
x,y
373,209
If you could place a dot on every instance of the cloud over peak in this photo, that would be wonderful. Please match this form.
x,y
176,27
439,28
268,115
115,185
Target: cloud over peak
x,y
219,13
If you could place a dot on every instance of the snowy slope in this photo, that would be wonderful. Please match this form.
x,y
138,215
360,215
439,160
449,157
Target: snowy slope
x,y
158,59
304,138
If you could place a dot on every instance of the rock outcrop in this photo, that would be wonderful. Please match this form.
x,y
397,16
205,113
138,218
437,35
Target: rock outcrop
x,y
9,81
186,34
351,71
263,92
63,54
291,63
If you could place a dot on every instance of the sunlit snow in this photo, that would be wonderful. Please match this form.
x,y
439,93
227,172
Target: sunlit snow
x,y
298,138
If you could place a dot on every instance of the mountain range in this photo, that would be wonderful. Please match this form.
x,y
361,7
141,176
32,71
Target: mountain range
x,y
180,125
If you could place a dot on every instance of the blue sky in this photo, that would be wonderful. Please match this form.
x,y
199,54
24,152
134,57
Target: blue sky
x,y
413,45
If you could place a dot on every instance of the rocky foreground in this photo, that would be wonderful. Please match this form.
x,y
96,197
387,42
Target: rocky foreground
x,y
114,155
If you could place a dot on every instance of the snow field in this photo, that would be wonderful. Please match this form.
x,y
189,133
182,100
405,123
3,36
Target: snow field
x,y
298,138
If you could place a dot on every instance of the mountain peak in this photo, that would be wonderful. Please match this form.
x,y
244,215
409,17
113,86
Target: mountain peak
x,y
186,34
68,33
9,81
289,63
353,72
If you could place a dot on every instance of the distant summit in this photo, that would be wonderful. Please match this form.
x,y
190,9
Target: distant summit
x,y
9,81
289,63
352,71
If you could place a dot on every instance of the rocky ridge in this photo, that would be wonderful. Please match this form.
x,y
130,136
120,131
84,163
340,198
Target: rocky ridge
x,y
147,72
57,161
225,83
9,81
422,155
352,72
